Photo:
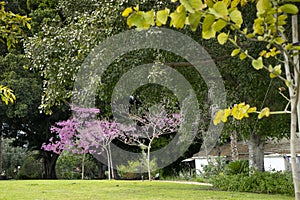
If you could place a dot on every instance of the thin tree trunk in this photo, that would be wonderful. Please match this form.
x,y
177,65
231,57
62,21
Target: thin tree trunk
x,y
82,166
293,123
1,161
295,34
256,152
233,145
293,147
295,111
148,161
110,163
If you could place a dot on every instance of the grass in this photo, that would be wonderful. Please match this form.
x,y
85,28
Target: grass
x,y
96,189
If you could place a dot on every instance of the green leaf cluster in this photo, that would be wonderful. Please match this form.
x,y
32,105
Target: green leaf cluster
x,y
12,26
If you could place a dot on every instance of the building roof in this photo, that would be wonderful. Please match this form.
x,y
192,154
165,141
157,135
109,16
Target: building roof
x,y
271,147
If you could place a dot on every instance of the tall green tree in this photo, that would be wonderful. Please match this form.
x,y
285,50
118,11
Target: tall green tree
x,y
12,27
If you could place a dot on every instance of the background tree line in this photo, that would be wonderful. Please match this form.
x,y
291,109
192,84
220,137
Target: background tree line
x,y
40,69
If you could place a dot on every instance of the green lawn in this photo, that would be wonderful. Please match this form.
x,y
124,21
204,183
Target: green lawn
x,y
121,190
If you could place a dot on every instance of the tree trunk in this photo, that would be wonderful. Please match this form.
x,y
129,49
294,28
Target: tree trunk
x,y
294,99
148,162
293,147
233,145
49,164
295,34
108,164
82,166
101,174
1,152
256,152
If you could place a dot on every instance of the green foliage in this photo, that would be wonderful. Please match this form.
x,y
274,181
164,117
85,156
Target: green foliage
x,y
215,167
26,85
237,167
7,95
12,158
59,54
69,166
269,27
32,168
135,169
258,182
12,26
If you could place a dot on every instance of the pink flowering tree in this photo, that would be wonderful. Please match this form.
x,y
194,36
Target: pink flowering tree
x,y
152,124
84,134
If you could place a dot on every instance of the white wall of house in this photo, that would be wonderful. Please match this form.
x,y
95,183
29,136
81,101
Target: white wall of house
x,y
277,162
200,162
272,162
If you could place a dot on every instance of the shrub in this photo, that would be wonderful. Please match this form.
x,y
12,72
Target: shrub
x,y
12,158
258,182
215,167
69,166
237,167
133,170
31,169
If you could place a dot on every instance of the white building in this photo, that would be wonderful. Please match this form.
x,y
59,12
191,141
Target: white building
x,y
276,158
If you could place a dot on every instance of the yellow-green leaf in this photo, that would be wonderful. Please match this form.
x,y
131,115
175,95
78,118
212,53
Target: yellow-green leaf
x,y
136,19
219,25
258,64
289,46
149,19
28,26
288,83
237,112
178,17
289,9
226,114
263,6
192,5
222,38
187,5
243,55
234,3
264,112
236,17
196,4
194,20
279,40
218,117
162,17
275,71
207,22
127,11
235,52
251,110
219,10
208,34
209,3
136,8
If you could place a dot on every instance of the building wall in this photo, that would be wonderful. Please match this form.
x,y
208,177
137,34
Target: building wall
x,y
199,164
275,162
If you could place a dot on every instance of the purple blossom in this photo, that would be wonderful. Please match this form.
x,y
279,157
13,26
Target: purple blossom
x,y
82,133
